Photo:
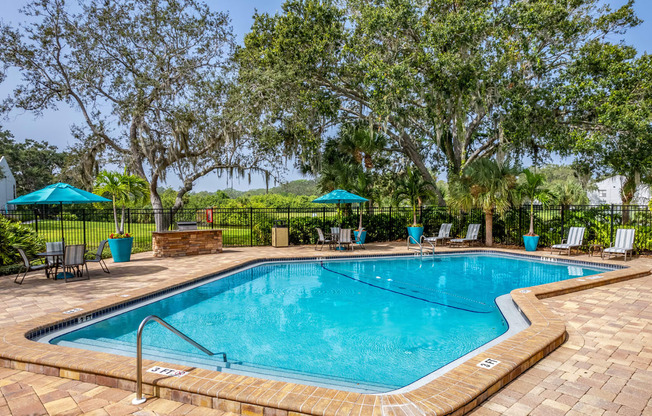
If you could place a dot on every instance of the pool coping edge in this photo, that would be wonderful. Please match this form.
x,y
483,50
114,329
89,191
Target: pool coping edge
x,y
456,392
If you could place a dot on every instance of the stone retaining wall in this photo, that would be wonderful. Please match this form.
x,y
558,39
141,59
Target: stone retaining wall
x,y
186,243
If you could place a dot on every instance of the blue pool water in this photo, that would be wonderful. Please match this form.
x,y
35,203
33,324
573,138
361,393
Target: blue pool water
x,y
380,323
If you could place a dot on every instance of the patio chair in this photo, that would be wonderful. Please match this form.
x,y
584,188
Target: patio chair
x,y
27,266
471,236
624,243
345,237
53,262
443,235
574,240
74,262
356,242
98,257
322,240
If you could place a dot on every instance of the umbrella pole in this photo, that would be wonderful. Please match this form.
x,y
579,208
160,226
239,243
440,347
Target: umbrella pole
x,y
63,238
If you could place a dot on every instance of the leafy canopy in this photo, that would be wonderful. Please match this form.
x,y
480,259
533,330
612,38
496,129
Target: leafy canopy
x,y
150,81
449,82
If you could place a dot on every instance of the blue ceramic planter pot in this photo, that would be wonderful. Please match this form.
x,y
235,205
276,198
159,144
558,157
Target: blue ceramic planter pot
x,y
415,233
363,236
121,249
531,242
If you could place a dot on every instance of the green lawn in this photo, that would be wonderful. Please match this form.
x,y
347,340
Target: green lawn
x,y
96,231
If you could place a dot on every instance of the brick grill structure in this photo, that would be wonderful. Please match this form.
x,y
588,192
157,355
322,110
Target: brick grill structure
x,y
186,243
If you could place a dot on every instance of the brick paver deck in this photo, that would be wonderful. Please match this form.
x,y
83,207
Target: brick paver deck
x,y
604,367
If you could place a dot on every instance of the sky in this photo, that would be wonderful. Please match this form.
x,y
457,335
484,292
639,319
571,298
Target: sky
x,y
54,125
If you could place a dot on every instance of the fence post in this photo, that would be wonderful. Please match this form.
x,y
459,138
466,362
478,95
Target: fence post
x,y
611,238
562,222
171,219
213,218
323,218
520,223
391,225
129,220
36,213
251,226
84,224
288,225
421,215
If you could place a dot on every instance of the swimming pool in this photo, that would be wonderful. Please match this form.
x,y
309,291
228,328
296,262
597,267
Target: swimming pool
x,y
365,324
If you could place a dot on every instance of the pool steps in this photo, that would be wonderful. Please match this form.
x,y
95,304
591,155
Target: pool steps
x,y
233,367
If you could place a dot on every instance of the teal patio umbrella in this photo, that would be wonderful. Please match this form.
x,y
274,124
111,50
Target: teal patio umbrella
x,y
58,193
340,196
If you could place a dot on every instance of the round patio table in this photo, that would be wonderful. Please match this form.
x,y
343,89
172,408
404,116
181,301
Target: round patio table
x,y
58,255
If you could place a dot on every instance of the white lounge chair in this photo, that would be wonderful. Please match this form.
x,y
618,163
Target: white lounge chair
x,y
624,243
443,235
471,236
574,240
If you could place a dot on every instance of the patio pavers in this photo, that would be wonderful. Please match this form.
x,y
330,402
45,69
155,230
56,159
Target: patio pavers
x,y
605,367
24,393
39,297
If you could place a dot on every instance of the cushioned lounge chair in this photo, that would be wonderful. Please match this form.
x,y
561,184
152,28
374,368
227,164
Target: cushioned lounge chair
x,y
574,240
443,235
624,243
471,236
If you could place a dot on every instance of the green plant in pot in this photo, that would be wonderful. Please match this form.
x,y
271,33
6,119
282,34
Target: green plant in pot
x,y
533,190
122,188
411,187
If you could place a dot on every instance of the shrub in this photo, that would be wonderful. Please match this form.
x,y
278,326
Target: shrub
x,y
15,234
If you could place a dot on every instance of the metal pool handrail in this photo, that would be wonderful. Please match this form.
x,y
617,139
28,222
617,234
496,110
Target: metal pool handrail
x,y
140,399
412,240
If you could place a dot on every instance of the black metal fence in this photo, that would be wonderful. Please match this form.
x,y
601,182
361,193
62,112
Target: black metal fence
x,y
252,226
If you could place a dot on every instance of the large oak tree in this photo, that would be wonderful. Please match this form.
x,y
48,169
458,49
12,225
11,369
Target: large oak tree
x,y
149,79
449,81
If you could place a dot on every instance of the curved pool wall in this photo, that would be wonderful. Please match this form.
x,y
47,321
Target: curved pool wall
x,y
349,280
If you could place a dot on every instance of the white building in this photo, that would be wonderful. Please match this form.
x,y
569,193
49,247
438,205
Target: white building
x,y
609,191
7,185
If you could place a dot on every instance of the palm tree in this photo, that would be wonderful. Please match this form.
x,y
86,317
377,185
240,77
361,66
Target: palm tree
x,y
485,184
533,190
412,187
364,185
363,143
569,193
122,188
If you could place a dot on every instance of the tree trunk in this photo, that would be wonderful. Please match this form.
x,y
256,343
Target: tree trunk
x,y
531,232
626,196
161,220
489,228
411,151
122,220
115,216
